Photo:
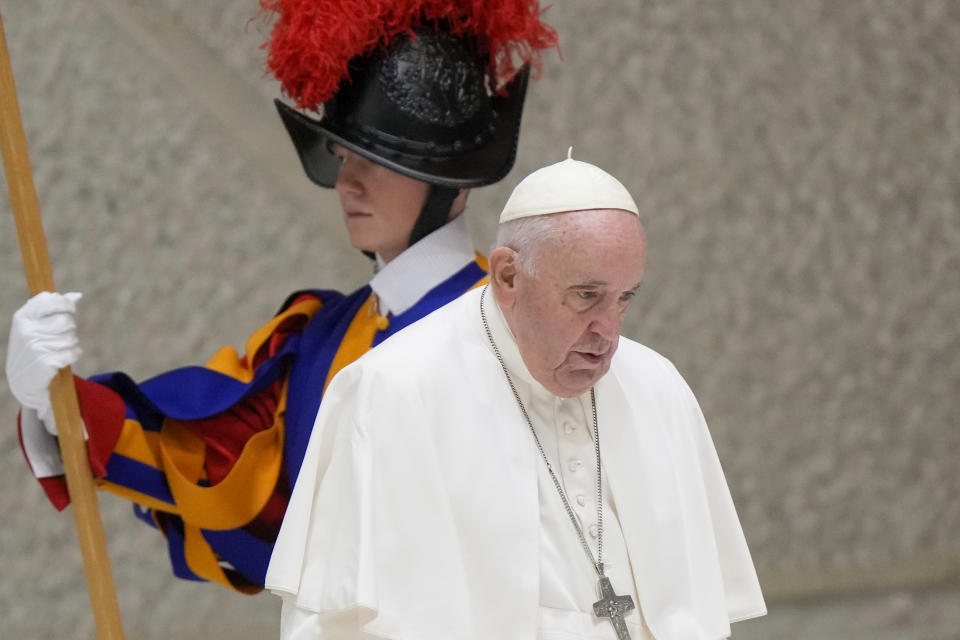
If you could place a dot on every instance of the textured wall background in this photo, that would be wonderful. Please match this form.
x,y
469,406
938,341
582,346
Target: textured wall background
x,y
797,165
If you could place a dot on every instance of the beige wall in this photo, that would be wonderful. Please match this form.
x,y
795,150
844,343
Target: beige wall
x,y
796,164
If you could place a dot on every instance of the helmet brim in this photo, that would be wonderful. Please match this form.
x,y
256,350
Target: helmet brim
x,y
485,165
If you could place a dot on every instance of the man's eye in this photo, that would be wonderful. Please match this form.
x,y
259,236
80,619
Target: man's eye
x,y
337,152
628,296
586,295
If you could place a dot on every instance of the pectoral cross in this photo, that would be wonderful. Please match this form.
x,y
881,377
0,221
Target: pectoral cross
x,y
613,606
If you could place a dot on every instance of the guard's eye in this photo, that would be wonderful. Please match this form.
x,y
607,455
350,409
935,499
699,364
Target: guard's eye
x,y
337,152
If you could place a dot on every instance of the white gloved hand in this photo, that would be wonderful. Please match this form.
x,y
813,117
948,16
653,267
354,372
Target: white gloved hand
x,y
43,340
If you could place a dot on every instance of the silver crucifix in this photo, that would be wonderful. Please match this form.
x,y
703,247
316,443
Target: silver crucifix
x,y
613,606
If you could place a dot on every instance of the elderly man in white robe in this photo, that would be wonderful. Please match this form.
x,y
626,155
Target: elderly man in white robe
x,y
510,467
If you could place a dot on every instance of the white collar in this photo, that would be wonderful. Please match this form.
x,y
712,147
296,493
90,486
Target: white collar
x,y
402,282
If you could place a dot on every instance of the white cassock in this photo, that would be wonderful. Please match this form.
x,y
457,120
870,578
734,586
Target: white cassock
x,y
423,510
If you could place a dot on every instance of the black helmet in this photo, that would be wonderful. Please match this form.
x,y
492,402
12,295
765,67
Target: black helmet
x,y
419,87
423,108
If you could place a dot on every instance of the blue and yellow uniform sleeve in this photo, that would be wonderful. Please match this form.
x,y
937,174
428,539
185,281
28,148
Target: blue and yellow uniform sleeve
x,y
209,454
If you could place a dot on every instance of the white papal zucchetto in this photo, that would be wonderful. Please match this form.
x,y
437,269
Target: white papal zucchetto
x,y
569,185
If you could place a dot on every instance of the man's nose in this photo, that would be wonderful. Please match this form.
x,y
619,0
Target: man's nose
x,y
349,179
607,322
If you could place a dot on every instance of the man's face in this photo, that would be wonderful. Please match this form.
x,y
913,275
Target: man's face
x,y
380,206
567,318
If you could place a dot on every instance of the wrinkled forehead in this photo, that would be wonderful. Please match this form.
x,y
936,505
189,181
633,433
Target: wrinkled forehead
x,y
596,246
592,228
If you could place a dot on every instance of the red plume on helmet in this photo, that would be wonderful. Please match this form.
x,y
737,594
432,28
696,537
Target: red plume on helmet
x,y
313,41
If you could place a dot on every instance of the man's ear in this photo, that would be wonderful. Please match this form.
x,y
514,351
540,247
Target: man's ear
x,y
503,275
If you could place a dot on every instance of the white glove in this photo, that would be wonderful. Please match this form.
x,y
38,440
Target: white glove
x,y
43,340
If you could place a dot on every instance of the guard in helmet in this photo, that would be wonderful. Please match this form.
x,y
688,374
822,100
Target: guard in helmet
x,y
421,101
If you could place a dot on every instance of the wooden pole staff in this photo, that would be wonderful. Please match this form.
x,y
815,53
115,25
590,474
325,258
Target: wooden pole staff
x,y
63,395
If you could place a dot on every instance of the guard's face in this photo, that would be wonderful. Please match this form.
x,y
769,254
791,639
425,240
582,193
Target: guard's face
x,y
380,206
567,319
